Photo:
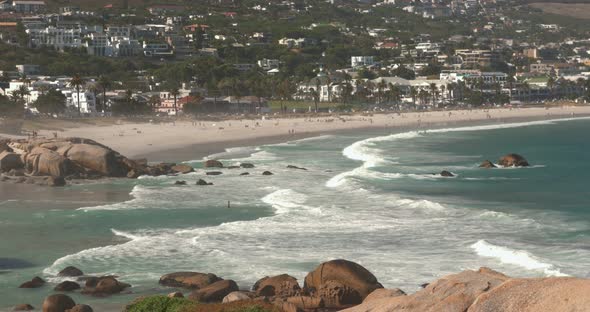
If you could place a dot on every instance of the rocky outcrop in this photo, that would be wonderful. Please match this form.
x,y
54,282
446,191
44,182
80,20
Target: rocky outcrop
x,y
452,293
10,161
556,294
213,164
281,286
70,272
184,169
267,173
384,293
36,282
214,292
513,160
247,165
180,183
341,283
58,303
67,286
189,280
98,159
45,162
487,164
106,286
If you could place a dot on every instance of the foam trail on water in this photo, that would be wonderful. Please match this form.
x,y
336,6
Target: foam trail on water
x,y
516,257
286,201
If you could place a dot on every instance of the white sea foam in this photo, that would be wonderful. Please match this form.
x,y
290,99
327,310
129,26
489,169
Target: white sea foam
x,y
232,152
422,204
286,200
125,234
516,257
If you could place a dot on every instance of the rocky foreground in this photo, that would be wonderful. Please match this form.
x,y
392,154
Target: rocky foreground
x,y
337,285
54,161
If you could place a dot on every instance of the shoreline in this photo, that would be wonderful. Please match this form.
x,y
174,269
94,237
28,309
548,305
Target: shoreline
x,y
189,140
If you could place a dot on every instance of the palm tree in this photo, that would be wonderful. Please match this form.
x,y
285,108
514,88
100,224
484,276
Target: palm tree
x,y
551,85
527,88
175,92
413,94
77,82
433,91
380,90
104,83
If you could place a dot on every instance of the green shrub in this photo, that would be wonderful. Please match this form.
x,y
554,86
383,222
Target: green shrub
x,y
160,304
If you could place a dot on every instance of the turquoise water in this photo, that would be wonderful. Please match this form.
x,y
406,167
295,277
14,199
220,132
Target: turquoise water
x,y
369,197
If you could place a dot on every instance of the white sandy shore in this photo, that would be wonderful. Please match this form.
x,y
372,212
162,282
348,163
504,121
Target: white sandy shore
x,y
144,139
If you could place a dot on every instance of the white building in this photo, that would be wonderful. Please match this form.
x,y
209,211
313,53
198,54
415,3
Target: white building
x,y
361,61
58,38
27,6
268,64
87,101
99,45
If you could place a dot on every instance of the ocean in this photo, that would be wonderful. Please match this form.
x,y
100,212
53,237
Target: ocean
x,y
375,198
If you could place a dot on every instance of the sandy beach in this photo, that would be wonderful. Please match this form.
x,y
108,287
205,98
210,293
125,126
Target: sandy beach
x,y
166,141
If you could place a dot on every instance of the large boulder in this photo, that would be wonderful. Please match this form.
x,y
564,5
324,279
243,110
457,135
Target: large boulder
x,y
211,163
447,174
553,294
513,160
306,303
58,303
189,280
347,275
97,158
10,161
282,285
452,293
42,161
70,271
182,169
106,286
214,292
336,294
36,282
237,296
67,286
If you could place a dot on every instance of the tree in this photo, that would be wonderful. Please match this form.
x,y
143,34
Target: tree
x,y
9,108
175,93
433,92
413,94
105,83
128,106
404,72
52,102
193,107
77,82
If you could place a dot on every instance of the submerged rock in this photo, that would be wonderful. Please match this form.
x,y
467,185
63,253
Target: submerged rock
x,y
445,173
513,160
247,165
295,167
67,286
203,182
213,164
245,173
107,285
180,183
23,307
80,308
214,173
36,282
267,173
487,164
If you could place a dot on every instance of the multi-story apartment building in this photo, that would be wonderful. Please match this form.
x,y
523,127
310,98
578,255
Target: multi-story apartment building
x,y
58,38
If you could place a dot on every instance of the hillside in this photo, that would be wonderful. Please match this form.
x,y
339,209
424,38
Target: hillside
x,y
575,10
